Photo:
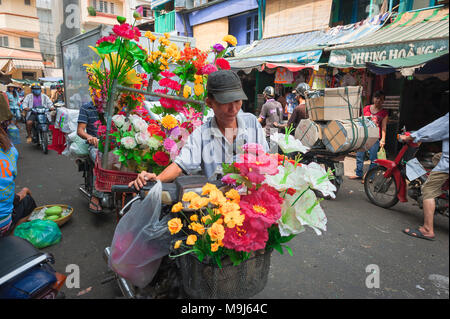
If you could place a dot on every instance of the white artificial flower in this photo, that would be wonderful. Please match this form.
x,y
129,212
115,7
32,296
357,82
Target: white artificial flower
x,y
138,123
128,142
153,143
305,212
291,145
142,137
119,120
318,180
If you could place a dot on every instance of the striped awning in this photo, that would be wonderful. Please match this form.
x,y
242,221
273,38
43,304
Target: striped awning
x,y
412,33
28,64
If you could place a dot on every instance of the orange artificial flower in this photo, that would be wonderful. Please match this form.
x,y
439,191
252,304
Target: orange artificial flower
x,y
175,225
216,232
177,207
191,240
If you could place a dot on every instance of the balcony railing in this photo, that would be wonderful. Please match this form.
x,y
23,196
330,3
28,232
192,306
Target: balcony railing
x,y
164,22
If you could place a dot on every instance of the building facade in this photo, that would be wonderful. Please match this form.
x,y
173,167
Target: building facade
x,y
20,53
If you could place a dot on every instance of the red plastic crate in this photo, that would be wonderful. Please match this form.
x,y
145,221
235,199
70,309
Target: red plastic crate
x,y
105,179
58,140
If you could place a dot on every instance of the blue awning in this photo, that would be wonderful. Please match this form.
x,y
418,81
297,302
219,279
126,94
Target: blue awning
x,y
157,3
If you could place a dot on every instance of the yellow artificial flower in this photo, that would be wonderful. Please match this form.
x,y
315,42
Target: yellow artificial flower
x,y
216,232
194,218
132,78
191,240
94,66
198,79
150,36
187,197
216,198
177,244
233,195
197,227
228,207
198,203
198,89
234,218
167,35
187,91
214,247
177,207
231,40
206,218
175,225
208,188
169,122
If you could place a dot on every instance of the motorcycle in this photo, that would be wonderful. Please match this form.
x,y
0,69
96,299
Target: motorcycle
x,y
167,281
387,183
40,129
26,273
86,165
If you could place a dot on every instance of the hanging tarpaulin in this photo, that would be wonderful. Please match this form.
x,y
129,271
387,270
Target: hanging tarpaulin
x,y
358,57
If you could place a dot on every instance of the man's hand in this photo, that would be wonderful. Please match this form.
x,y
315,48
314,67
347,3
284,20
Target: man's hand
x,y
142,180
404,138
92,141
382,143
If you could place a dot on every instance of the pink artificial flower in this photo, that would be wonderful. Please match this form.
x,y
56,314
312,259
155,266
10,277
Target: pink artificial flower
x,y
228,180
246,237
167,74
169,144
253,148
171,84
127,31
262,207
208,69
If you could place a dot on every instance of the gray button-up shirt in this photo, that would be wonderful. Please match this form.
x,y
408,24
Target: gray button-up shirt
x,y
433,132
207,148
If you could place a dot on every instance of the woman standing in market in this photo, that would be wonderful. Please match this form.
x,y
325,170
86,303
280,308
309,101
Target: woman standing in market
x,y
380,117
14,105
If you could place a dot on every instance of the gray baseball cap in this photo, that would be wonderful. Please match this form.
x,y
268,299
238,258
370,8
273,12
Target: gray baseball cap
x,y
225,86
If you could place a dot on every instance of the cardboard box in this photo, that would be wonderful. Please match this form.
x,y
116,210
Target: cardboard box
x,y
335,104
309,132
345,136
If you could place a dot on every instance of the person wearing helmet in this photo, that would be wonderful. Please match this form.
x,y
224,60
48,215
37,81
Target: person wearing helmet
x,y
58,95
34,99
271,112
14,102
300,111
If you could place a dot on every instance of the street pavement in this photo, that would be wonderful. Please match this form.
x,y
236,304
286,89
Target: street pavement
x,y
362,243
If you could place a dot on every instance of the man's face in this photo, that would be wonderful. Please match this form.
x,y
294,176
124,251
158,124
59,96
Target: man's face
x,y
225,112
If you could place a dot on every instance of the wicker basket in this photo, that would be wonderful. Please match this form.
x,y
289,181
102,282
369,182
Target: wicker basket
x,y
61,221
105,179
206,281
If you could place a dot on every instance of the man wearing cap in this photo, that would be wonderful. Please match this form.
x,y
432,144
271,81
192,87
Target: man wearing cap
x,y
35,99
220,138
271,112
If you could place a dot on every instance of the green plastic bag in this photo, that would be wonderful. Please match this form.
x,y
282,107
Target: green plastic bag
x,y
41,233
381,154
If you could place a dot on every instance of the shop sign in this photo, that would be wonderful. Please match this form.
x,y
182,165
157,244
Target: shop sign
x,y
358,57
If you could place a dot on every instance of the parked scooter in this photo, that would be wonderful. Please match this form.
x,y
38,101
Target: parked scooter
x,y
26,273
40,130
386,184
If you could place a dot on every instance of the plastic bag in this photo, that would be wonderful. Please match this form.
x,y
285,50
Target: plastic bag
x,y
14,134
41,233
78,146
381,154
140,240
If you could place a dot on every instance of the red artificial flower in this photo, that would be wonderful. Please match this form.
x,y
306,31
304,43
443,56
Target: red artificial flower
x,y
291,191
111,39
127,31
245,238
167,74
171,84
161,158
223,64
